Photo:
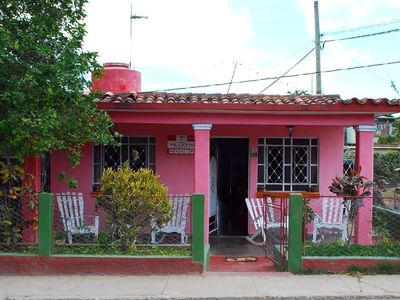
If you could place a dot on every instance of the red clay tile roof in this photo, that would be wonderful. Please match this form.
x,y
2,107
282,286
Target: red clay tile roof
x,y
171,98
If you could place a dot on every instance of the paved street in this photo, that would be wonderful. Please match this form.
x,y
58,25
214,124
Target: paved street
x,y
208,286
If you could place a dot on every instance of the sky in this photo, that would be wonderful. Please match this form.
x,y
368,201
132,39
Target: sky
x,y
186,43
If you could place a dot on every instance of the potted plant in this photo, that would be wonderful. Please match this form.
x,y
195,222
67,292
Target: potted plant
x,y
353,187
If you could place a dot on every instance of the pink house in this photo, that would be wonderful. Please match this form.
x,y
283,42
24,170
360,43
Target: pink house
x,y
228,146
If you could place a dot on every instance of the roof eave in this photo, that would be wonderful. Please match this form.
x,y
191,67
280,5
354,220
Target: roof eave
x,y
367,108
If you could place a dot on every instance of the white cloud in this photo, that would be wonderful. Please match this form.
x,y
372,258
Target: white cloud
x,y
198,42
345,14
340,14
176,33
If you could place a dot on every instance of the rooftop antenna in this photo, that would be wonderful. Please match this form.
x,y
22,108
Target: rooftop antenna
x,y
132,17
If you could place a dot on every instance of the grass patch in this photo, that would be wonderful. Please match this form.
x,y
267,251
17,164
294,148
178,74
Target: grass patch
x,y
19,249
95,249
336,249
313,272
110,250
379,269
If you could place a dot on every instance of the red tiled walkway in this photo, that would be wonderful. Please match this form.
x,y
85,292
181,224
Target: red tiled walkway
x,y
218,264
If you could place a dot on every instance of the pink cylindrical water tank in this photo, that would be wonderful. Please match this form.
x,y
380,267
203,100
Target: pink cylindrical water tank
x,y
117,78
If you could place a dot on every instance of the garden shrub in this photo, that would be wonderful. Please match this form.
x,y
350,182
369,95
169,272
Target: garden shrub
x,y
386,223
384,165
335,249
132,201
15,191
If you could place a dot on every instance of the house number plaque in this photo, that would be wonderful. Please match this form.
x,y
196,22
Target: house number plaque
x,y
180,144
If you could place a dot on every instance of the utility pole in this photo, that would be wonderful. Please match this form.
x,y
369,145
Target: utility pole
x,y
317,49
132,17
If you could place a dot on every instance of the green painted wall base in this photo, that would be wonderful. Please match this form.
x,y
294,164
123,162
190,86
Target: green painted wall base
x,y
295,233
45,225
200,250
206,261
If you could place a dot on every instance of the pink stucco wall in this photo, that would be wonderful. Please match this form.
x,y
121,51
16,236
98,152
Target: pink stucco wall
x,y
177,171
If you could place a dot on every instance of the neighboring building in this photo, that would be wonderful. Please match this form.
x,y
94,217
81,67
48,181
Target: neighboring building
x,y
384,126
253,143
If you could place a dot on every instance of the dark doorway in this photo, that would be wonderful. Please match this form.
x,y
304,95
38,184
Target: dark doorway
x,y
232,183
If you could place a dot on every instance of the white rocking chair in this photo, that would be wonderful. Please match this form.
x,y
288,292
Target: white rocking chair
x,y
177,224
71,206
334,216
255,207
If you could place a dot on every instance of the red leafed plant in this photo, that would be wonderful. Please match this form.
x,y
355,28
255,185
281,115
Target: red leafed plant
x,y
353,187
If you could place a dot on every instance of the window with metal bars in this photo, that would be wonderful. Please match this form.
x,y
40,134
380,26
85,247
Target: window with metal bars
x,y
287,164
139,152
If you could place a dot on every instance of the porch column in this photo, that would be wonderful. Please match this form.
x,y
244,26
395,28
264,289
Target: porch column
x,y
365,159
202,168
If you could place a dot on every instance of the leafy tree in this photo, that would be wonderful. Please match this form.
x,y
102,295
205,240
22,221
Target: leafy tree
x,y
384,165
42,78
299,92
15,191
392,139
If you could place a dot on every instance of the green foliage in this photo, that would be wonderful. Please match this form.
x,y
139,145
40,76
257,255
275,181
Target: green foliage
x,y
113,250
351,184
336,249
42,77
132,201
388,269
72,182
15,191
353,188
104,249
298,92
313,272
308,212
384,165
308,216
386,224
394,138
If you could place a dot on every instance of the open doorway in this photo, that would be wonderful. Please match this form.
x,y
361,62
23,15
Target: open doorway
x,y
231,185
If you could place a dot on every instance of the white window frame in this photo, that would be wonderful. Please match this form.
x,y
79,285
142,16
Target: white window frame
x,y
125,141
290,185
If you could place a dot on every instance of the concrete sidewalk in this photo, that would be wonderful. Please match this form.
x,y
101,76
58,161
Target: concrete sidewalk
x,y
207,286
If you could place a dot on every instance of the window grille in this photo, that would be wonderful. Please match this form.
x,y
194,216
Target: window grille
x,y
139,152
287,164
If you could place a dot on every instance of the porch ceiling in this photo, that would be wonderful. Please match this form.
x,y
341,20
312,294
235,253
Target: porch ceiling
x,y
220,118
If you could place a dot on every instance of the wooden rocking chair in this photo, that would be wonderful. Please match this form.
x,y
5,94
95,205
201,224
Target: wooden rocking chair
x,y
334,216
177,224
71,206
255,207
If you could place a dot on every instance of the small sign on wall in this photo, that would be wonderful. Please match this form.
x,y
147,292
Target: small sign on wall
x,y
180,144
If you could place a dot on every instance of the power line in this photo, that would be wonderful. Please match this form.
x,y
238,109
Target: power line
x,y
233,74
393,21
291,68
363,35
270,78
369,71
